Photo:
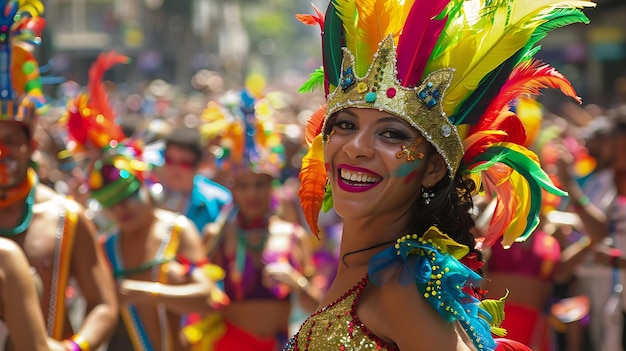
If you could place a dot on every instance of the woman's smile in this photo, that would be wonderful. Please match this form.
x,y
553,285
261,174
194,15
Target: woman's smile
x,y
357,179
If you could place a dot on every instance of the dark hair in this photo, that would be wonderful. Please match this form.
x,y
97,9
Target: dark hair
x,y
450,210
186,138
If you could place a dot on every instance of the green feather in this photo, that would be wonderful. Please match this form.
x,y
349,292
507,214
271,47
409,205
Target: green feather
x,y
315,81
327,203
332,45
530,170
556,19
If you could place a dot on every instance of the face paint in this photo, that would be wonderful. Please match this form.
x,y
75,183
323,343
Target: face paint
x,y
411,151
408,171
327,137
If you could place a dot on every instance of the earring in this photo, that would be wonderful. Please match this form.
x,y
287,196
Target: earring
x,y
427,194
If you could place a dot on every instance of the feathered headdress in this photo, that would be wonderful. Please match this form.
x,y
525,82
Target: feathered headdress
x,y
450,68
90,121
248,139
21,97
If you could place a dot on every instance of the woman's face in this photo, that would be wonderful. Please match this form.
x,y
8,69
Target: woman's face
x,y
375,163
252,193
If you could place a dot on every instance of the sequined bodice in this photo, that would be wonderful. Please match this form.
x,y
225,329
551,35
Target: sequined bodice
x,y
337,327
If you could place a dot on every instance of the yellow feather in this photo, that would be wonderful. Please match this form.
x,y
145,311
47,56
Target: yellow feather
x,y
35,7
519,222
483,37
376,20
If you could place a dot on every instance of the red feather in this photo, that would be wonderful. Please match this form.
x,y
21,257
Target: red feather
x,y
510,345
97,93
311,20
513,126
98,99
417,40
528,78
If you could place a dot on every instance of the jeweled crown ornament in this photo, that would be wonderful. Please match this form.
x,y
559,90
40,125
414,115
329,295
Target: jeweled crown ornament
x,y
21,95
420,106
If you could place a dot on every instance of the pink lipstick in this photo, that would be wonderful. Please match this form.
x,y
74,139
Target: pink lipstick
x,y
356,179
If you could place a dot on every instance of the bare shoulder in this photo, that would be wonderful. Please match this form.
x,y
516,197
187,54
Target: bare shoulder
x,y
12,258
400,313
9,250
47,199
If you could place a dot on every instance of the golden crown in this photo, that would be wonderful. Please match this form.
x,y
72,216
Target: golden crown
x,y
419,106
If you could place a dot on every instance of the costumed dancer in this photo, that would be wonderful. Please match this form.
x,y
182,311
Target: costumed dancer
x,y
156,255
417,121
266,258
58,240
182,188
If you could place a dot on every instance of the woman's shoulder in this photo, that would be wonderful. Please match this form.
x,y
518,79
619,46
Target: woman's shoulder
x,y
403,316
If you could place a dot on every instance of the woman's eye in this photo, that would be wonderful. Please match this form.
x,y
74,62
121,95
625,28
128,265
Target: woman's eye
x,y
344,125
394,134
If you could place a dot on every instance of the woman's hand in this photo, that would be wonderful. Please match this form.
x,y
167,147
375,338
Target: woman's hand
x,y
281,272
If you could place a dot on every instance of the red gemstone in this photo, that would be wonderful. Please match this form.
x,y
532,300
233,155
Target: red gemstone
x,y
391,92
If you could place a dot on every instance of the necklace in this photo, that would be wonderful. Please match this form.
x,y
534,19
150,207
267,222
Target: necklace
x,y
343,258
27,216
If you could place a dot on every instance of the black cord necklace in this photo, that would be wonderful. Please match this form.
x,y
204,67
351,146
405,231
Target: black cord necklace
x,y
343,258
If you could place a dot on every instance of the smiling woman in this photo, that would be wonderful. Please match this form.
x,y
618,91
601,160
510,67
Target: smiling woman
x,y
417,122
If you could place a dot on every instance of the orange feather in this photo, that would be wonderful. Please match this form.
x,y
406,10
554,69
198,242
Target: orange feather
x,y
312,183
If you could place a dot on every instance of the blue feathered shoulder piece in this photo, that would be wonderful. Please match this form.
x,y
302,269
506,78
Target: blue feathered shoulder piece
x,y
432,263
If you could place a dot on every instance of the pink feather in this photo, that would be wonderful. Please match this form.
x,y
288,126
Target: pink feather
x,y
417,40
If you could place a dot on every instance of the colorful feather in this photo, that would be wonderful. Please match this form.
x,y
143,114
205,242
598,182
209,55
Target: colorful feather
x,y
558,18
312,183
315,81
475,105
527,180
314,125
90,116
419,36
528,78
506,27
97,93
312,20
510,345
332,43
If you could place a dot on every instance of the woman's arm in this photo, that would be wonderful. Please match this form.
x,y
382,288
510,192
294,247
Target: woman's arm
x,y
185,292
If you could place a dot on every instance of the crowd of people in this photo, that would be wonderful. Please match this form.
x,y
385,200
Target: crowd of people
x,y
427,201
